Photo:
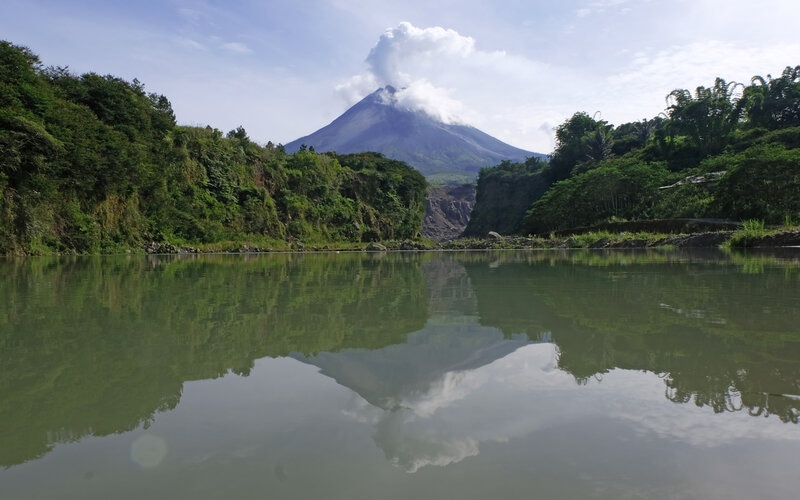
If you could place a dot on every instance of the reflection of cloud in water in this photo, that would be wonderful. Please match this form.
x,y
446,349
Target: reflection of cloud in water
x,y
446,423
523,393
442,393
412,443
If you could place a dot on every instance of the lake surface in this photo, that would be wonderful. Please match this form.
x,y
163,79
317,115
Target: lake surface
x,y
541,374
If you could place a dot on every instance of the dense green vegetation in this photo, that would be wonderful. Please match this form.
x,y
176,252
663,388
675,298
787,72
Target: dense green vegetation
x,y
93,163
728,151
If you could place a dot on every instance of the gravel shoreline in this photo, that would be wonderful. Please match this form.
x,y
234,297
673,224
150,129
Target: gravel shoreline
x,y
497,242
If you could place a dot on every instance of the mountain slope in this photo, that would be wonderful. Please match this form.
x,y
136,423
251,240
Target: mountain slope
x,y
434,148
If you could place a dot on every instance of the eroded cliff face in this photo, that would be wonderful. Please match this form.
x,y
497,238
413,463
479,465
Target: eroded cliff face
x,y
501,203
447,211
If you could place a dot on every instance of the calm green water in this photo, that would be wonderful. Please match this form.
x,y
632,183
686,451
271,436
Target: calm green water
x,y
353,376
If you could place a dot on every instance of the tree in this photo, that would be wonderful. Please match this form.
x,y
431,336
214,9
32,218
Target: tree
x,y
599,143
634,135
19,84
708,118
774,103
622,187
572,145
762,182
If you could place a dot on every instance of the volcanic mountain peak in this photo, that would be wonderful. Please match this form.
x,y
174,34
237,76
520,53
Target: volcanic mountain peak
x,y
379,123
386,95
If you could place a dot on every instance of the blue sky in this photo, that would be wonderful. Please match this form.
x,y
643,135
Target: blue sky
x,y
513,68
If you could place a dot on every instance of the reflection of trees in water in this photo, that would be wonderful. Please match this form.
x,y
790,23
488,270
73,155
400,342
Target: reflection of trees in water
x,y
710,370
756,390
99,346
728,339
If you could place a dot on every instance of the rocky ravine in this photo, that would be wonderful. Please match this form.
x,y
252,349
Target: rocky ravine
x,y
447,211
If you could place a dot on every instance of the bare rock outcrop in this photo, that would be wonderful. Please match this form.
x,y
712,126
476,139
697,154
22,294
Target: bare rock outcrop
x,y
447,211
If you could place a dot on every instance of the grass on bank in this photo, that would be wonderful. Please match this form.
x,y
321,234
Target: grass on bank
x,y
751,231
597,238
593,239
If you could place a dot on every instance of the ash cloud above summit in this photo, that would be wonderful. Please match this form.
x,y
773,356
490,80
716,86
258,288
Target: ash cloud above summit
x,y
420,63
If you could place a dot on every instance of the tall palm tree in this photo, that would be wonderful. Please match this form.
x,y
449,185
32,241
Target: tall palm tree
x,y
706,118
774,103
599,143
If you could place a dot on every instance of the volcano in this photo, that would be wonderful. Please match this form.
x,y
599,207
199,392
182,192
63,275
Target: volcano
x,y
437,149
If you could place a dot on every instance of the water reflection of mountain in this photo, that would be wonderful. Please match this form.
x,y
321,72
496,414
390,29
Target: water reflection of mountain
x,y
451,341
407,383
392,375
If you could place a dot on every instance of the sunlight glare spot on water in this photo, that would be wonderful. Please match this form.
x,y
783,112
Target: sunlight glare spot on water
x,y
148,451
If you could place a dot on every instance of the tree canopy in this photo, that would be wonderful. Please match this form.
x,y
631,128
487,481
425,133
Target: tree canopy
x,y
93,163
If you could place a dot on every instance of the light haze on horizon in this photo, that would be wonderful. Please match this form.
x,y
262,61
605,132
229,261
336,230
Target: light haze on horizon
x,y
514,69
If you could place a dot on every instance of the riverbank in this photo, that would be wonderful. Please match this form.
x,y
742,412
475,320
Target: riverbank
x,y
732,239
742,238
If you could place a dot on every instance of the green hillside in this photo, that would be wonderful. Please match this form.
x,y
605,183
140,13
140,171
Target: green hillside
x,y
95,164
730,151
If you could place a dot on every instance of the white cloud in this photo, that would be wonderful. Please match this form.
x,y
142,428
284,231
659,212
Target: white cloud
x,y
421,95
600,6
407,58
405,50
189,43
237,47
650,76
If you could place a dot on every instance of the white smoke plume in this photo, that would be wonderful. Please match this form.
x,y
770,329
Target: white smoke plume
x,y
445,74
408,58
421,95
402,54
